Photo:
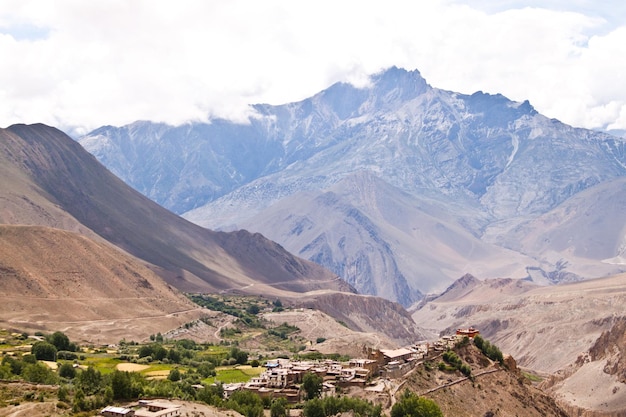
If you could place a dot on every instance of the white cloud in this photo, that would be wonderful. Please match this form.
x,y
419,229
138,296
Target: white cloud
x,y
78,64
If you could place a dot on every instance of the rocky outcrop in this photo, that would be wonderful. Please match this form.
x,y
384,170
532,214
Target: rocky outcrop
x,y
367,314
611,348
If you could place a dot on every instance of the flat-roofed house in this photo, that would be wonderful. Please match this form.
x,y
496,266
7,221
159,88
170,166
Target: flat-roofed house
x,y
111,411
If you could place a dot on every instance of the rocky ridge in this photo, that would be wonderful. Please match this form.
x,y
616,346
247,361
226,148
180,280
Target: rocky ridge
x,y
481,168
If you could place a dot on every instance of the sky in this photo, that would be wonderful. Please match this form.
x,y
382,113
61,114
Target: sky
x,y
81,64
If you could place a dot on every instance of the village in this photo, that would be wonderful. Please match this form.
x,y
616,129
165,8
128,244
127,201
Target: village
x,y
282,378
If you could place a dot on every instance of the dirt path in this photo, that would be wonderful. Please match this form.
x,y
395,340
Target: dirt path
x,y
219,328
159,316
458,381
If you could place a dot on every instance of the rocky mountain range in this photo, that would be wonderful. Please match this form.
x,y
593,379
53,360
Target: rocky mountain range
x,y
397,187
75,241
82,252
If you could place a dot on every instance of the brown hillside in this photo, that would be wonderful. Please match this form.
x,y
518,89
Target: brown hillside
x,y
549,329
494,390
52,181
367,314
53,279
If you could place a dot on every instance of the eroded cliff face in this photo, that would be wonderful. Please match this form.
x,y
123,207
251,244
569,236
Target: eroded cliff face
x,y
595,385
368,314
611,348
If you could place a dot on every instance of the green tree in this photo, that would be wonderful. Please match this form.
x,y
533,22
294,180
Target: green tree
x,y
246,403
121,385
145,350
67,371
14,365
410,405
79,403
108,395
240,356
60,341
489,350
174,356
206,369
159,353
212,395
39,373
90,380
313,408
44,351
29,358
278,407
312,385
174,375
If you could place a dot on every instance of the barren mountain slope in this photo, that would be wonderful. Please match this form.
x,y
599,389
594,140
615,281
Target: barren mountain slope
x,y
57,168
382,240
314,324
588,227
367,314
70,188
53,279
544,328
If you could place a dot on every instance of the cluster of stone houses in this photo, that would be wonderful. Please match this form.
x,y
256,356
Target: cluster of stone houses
x,y
282,377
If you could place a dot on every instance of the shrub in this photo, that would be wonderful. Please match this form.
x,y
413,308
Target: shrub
x,y
410,405
174,375
253,309
63,393
66,355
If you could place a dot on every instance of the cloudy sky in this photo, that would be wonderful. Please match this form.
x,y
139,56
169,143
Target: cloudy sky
x,y
80,64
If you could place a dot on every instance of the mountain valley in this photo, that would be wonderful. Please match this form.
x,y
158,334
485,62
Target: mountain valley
x,y
358,209
49,180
